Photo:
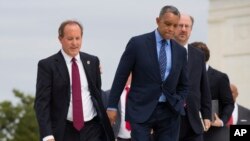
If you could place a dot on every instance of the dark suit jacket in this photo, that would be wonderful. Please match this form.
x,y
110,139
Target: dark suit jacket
x,y
243,116
53,94
199,97
140,58
220,90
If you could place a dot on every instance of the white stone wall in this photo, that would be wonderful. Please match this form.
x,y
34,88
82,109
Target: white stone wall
x,y
229,42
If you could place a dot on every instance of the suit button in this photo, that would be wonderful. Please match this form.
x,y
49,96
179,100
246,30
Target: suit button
x,y
162,86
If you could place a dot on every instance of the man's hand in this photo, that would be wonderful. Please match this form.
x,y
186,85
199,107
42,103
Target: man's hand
x,y
112,116
51,140
217,121
207,124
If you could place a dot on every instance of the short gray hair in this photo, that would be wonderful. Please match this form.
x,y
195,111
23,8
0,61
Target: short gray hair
x,y
171,9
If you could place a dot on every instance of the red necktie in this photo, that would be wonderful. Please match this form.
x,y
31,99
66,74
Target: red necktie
x,y
230,121
127,124
78,121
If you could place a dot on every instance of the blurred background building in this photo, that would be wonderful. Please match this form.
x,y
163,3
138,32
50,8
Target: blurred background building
x,y
229,42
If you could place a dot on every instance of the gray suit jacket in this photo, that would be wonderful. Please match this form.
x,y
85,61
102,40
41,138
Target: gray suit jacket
x,y
105,99
243,116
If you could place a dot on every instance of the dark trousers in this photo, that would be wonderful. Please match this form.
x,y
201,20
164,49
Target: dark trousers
x,y
187,133
164,122
92,131
217,134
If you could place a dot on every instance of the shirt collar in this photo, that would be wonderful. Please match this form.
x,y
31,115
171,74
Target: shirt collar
x,y
69,58
159,37
186,46
207,66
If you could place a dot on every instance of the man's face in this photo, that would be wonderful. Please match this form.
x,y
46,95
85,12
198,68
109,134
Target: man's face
x,y
167,25
72,39
184,29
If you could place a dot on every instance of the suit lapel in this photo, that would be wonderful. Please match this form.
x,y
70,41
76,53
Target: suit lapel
x,y
151,47
86,65
174,58
62,67
190,59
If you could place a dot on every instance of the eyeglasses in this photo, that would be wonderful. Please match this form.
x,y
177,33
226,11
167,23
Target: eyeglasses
x,y
184,25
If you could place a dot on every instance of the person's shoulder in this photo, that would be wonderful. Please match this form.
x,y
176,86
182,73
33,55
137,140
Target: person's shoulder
x,y
178,46
87,55
143,36
196,50
243,108
219,73
51,57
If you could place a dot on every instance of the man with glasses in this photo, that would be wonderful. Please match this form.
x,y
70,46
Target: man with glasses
x,y
198,102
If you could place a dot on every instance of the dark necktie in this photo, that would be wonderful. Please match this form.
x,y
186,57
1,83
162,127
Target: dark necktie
x,y
127,124
163,59
78,120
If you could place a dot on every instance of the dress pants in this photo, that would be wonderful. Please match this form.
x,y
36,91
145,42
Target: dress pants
x,y
187,133
164,122
217,134
92,131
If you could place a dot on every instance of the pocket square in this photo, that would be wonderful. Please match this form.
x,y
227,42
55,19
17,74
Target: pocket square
x,y
243,120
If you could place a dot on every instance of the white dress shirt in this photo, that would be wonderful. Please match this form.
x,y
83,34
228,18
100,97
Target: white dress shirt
x,y
123,132
235,114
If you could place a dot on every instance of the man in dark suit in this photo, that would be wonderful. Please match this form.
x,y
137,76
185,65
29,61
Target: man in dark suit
x,y
198,101
220,91
159,81
241,115
65,80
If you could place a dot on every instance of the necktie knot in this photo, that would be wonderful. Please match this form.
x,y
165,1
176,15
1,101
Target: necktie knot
x,y
73,59
127,89
163,42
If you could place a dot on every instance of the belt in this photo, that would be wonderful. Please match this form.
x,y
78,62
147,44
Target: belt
x,y
122,139
94,119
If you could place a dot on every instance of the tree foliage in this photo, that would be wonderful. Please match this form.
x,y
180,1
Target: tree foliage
x,y
17,121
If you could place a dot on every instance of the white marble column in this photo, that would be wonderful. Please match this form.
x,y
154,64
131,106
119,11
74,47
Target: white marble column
x,y
229,42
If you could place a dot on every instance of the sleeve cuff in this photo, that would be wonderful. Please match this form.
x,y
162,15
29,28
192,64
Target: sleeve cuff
x,y
111,109
50,137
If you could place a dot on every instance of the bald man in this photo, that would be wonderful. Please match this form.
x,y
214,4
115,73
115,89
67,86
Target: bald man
x,y
241,115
